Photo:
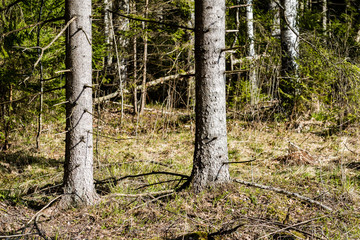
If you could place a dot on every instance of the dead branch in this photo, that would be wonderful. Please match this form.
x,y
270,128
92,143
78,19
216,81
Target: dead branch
x,y
41,210
17,235
150,21
32,25
148,84
114,180
141,194
292,227
283,191
52,42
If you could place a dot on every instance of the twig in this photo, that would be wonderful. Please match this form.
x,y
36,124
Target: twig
x,y
17,235
41,210
222,232
32,25
139,175
151,21
56,37
279,190
140,194
41,233
291,227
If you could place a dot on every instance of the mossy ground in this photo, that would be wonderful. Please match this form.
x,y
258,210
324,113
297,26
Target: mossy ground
x,y
30,179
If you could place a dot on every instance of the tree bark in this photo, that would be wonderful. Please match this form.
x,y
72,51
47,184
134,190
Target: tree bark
x,y
289,37
289,82
108,33
143,90
78,169
275,29
211,150
254,95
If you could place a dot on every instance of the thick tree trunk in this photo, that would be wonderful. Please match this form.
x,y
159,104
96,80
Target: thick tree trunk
x,y
211,153
78,168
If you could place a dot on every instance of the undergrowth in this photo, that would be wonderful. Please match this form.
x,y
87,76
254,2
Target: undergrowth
x,y
153,147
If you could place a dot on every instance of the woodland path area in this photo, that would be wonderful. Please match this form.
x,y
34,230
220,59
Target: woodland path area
x,y
138,165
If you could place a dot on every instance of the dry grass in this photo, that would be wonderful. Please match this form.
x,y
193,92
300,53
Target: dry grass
x,y
157,142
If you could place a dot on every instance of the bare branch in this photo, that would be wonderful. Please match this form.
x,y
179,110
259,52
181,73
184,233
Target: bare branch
x,y
279,190
52,42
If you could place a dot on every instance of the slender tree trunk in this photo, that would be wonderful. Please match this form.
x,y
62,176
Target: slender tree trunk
x,y
290,53
78,168
324,15
108,18
135,76
122,26
143,90
275,29
211,154
254,95
190,57
41,97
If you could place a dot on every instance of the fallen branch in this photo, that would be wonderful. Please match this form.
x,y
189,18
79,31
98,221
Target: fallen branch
x,y
279,190
41,210
141,194
148,84
114,180
17,235
292,227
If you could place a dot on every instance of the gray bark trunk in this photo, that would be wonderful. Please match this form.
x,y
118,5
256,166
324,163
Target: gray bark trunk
x,y
254,95
275,30
324,15
211,153
122,26
108,7
143,90
78,168
289,38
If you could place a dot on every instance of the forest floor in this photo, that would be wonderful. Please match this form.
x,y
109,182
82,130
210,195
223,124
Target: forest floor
x,y
140,161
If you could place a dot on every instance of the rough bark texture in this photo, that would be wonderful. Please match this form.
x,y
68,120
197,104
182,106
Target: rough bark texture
x,y
289,38
78,175
211,137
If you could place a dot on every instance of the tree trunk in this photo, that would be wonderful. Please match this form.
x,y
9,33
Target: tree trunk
x,y
143,90
78,168
254,95
211,153
290,49
275,29
108,18
289,37
324,15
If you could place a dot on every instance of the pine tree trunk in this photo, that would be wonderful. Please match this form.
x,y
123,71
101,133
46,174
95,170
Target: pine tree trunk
x,y
211,153
78,168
